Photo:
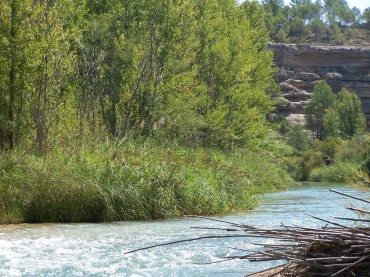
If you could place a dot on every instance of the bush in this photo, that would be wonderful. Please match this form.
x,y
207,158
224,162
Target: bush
x,y
338,172
333,160
320,154
357,149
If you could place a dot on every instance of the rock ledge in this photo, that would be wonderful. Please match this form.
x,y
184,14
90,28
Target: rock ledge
x,y
301,67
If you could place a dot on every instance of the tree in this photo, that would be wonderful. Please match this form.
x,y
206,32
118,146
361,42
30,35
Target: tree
x,y
51,68
305,9
331,123
275,17
16,48
235,71
273,6
9,15
322,98
356,16
298,138
281,36
330,8
160,59
365,17
93,52
122,67
298,28
35,54
317,27
344,118
352,120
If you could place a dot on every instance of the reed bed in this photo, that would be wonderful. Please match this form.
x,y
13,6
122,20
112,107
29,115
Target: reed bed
x,y
141,180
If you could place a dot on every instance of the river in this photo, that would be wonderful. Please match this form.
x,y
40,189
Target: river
x,y
98,249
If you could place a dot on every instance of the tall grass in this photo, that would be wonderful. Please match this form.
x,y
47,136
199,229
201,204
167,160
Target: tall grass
x,y
131,181
337,172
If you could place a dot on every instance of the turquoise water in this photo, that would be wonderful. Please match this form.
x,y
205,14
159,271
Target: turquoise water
x,y
98,249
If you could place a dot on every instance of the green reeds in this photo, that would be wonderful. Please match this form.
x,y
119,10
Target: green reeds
x,y
337,172
131,181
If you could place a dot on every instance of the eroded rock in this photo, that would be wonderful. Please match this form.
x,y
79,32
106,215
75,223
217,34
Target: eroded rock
x,y
301,67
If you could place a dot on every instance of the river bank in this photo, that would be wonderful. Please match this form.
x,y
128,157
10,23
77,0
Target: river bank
x,y
87,249
139,180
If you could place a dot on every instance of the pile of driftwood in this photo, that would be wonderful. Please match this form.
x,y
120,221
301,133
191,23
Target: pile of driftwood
x,y
333,250
326,251
316,252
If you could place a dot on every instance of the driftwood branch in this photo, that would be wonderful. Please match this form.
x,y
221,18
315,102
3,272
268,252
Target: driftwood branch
x,y
350,266
352,219
350,196
193,239
358,210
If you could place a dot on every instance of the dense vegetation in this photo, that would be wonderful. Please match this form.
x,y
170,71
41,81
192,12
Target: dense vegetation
x,y
197,71
120,109
123,110
333,145
320,22
137,180
340,150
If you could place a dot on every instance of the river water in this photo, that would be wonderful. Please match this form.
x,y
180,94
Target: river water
x,y
98,249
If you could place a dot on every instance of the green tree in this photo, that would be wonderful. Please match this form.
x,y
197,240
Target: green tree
x,y
365,17
318,28
351,117
305,9
35,55
273,6
322,98
51,68
281,36
298,138
345,117
121,67
234,71
17,58
331,123
162,44
93,52
276,18
356,18
298,28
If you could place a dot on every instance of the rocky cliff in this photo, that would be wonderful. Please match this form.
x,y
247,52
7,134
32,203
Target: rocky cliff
x,y
302,66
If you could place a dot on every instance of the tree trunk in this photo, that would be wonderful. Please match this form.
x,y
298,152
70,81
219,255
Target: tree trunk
x,y
12,85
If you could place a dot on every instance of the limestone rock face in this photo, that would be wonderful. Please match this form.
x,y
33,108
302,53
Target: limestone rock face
x,y
301,67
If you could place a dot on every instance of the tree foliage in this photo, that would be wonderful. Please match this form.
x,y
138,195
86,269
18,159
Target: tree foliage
x,y
349,111
309,20
330,115
322,98
192,70
298,139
